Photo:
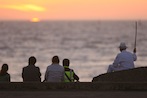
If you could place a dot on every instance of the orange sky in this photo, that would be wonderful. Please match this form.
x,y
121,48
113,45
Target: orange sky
x,y
73,9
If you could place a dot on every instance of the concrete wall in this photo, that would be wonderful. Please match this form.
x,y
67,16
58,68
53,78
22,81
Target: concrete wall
x,y
133,75
81,86
128,80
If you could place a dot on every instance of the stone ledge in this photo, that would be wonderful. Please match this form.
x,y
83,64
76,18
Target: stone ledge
x,y
132,75
81,86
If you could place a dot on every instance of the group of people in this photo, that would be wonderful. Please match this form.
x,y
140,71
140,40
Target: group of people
x,y
57,73
54,72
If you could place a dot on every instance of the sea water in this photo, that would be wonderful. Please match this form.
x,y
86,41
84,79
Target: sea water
x,y
90,45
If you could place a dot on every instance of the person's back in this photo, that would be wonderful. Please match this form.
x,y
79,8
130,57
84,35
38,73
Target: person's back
x,y
4,76
69,74
54,72
31,72
124,60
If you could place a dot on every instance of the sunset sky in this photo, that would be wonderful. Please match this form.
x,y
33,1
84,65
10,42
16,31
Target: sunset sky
x,y
73,9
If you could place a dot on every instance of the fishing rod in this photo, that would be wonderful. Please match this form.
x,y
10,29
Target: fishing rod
x,y
135,43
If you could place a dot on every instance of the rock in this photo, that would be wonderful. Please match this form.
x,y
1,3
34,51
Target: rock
x,y
132,75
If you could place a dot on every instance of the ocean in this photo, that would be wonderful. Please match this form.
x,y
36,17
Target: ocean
x,y
90,45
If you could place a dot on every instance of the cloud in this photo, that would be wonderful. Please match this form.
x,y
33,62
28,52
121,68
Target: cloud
x,y
25,7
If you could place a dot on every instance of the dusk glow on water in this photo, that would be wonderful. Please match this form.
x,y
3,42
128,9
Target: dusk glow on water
x,y
90,45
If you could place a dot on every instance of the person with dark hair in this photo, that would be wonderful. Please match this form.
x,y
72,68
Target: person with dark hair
x,y
31,72
54,72
124,60
4,75
69,74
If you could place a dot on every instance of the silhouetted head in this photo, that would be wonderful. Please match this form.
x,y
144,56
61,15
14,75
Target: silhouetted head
x,y
122,46
66,62
55,59
4,68
32,60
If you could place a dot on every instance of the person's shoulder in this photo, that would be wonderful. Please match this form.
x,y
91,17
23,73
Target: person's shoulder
x,y
25,67
128,52
61,67
123,52
72,70
37,67
69,69
8,74
49,66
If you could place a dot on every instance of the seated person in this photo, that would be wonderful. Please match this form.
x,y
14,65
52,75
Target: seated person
x,y
54,72
124,60
31,72
4,75
69,75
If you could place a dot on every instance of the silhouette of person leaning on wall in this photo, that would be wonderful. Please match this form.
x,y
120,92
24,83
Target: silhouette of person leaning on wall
x,y
4,75
31,72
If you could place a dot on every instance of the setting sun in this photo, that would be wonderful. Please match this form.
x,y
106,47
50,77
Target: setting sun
x,y
35,20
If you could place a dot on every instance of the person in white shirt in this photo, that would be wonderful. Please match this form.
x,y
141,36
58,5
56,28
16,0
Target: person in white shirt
x,y
124,60
54,72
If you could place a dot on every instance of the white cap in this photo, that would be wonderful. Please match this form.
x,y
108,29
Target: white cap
x,y
122,45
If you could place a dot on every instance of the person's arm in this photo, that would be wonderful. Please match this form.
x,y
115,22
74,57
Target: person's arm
x,y
39,73
76,76
62,77
46,75
23,73
134,56
116,61
9,78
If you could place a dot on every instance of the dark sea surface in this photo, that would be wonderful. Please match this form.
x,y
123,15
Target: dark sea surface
x,y
90,45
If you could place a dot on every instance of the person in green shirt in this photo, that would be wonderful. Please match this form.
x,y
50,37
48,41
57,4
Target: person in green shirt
x,y
69,74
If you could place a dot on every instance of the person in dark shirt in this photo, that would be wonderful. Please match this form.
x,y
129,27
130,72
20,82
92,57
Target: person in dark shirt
x,y
4,75
69,75
31,72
